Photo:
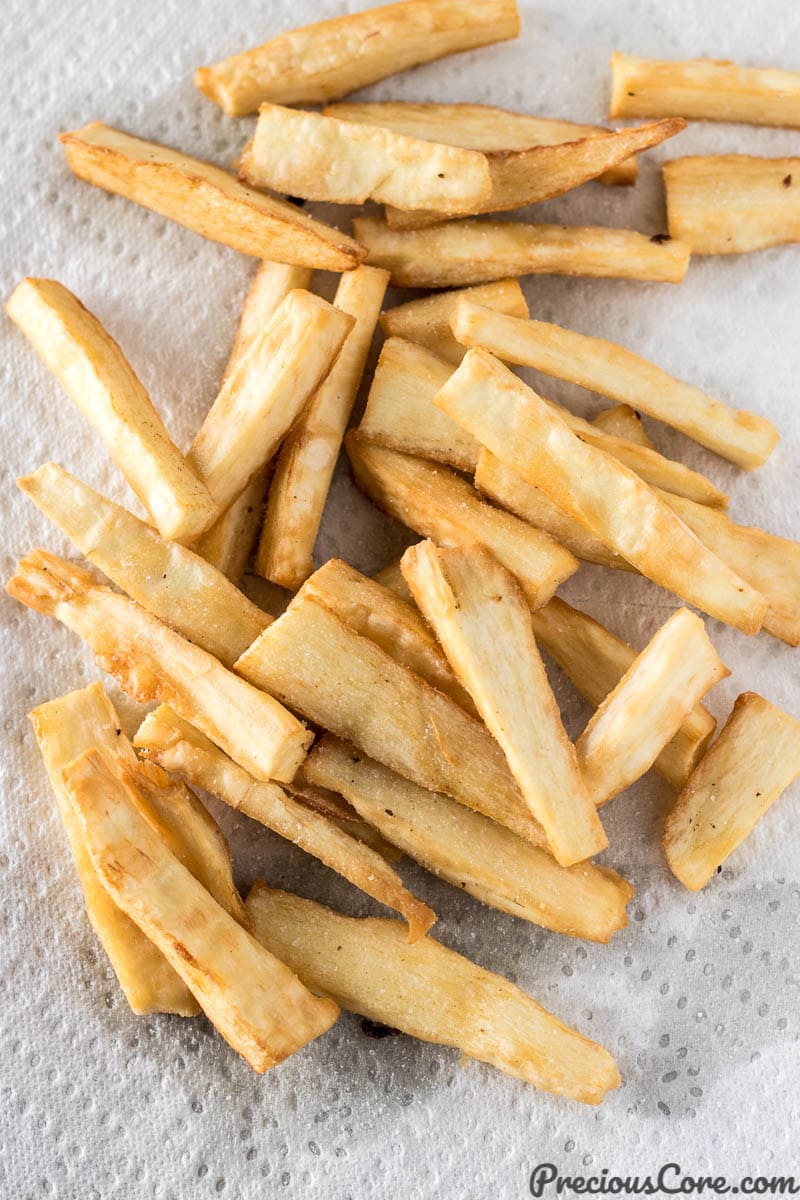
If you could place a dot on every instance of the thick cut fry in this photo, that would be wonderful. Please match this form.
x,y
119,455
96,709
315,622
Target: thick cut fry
x,y
151,662
438,504
593,488
258,1005
755,758
320,158
306,462
733,203
349,685
645,710
206,199
483,623
92,369
613,371
336,809
266,392
703,89
326,60
179,747
622,421
454,254
431,993
427,321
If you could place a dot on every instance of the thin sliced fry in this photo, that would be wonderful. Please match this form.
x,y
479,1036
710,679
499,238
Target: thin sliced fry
x,y
94,372
483,623
613,371
427,321
431,993
454,254
181,748
645,710
703,89
306,461
326,60
336,808
151,662
593,488
206,199
472,852
440,505
349,685
733,203
622,421
258,1005
266,392
755,758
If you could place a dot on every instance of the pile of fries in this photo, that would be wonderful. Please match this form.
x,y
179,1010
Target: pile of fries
x,y
410,714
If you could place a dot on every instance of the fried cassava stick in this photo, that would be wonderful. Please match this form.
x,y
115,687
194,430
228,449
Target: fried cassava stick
x,y
427,321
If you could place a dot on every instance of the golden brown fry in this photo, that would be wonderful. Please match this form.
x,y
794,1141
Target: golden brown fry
x,y
733,203
427,321
742,437
645,710
328,59
94,372
254,1000
152,662
622,421
454,254
703,89
181,748
754,759
307,458
431,993
206,199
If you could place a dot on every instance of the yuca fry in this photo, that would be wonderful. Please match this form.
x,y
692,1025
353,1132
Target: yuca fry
x,y
593,488
306,461
349,685
265,393
167,579
645,710
622,421
320,158
206,199
178,746
483,622
427,321
454,254
336,809
754,759
94,372
703,89
431,993
328,59
733,203
614,371
65,728
272,283
438,504
472,852
256,1002
151,662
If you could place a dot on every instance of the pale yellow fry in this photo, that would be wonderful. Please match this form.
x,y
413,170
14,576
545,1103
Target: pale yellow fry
x,y
483,622
454,254
94,372
336,808
733,203
595,489
631,727
703,89
622,421
427,321
346,683
614,371
206,199
272,283
431,993
326,60
151,662
438,504
755,758
306,461
181,748
256,1002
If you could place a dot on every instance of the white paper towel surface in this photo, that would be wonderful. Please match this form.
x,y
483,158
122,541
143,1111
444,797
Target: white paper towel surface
x,y
698,998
